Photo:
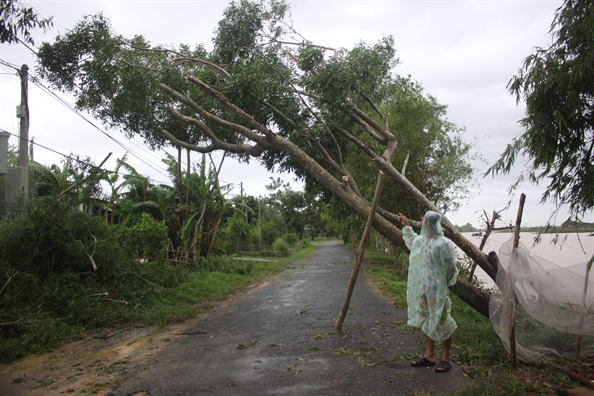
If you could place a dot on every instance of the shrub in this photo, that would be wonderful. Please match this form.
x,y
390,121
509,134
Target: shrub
x,y
281,247
148,238
303,243
51,290
291,238
46,235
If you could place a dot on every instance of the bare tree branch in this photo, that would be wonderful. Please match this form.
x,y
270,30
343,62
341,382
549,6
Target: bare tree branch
x,y
90,256
9,279
225,102
185,99
405,162
254,151
378,112
181,59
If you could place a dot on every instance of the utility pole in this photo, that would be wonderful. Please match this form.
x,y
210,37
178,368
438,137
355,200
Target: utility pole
x,y
23,115
243,202
259,224
17,178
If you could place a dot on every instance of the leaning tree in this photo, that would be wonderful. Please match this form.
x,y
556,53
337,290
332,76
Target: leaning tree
x,y
262,92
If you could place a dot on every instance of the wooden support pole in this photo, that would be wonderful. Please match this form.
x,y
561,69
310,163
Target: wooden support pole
x,y
359,254
585,294
512,337
519,221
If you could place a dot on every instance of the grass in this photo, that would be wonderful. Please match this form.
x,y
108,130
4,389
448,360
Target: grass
x,y
67,308
475,342
307,250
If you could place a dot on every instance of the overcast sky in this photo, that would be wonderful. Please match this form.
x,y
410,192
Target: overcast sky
x,y
462,52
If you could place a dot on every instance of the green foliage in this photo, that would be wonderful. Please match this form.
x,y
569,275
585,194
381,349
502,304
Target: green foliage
x,y
297,211
557,84
234,234
291,239
226,265
238,30
16,21
388,280
389,274
303,244
146,239
438,159
270,231
50,291
47,235
163,274
121,96
281,247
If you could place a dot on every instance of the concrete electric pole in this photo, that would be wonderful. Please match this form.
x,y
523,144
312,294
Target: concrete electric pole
x,y
17,178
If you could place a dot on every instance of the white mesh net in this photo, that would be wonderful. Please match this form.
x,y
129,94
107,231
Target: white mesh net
x,y
553,307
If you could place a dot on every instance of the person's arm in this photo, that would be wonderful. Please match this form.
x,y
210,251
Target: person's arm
x,y
449,256
407,232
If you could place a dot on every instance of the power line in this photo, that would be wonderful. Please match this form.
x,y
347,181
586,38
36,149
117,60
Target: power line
x,y
36,81
8,64
74,158
69,107
73,108
56,152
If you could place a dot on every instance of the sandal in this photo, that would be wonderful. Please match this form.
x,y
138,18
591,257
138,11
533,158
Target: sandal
x,y
443,367
422,362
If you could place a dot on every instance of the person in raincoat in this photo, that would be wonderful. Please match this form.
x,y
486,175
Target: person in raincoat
x,y
431,269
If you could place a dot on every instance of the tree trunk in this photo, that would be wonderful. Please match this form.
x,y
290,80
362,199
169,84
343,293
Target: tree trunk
x,y
472,296
464,290
213,231
268,140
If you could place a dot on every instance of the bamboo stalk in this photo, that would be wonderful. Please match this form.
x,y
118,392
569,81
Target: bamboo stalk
x,y
512,337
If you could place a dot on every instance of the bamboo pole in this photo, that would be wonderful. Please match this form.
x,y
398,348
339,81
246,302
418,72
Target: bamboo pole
x,y
512,337
359,254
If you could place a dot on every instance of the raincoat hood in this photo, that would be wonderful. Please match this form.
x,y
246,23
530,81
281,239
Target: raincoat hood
x,y
431,225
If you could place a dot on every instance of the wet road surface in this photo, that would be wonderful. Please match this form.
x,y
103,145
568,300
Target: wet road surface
x,y
280,340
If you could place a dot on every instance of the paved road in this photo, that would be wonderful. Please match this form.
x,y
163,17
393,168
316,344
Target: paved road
x,y
280,340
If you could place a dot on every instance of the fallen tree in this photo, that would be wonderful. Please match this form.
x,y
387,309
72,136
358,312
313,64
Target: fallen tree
x,y
263,92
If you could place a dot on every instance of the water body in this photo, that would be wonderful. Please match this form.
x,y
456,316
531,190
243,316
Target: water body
x,y
570,248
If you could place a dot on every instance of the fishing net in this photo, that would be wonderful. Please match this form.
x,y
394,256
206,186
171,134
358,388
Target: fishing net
x,y
552,307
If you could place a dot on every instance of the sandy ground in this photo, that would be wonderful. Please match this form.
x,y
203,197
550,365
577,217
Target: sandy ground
x,y
89,366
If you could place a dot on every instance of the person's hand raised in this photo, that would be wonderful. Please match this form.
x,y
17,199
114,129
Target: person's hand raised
x,y
403,220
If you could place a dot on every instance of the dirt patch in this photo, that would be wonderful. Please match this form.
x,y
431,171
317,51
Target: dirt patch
x,y
88,366
539,377
96,364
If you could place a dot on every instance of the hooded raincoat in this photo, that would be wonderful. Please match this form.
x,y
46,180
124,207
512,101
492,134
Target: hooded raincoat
x,y
431,269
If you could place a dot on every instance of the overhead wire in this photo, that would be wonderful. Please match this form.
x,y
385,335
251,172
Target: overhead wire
x,y
71,108
79,160
36,81
57,152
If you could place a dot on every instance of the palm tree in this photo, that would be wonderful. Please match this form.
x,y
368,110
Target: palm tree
x,y
113,180
49,181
